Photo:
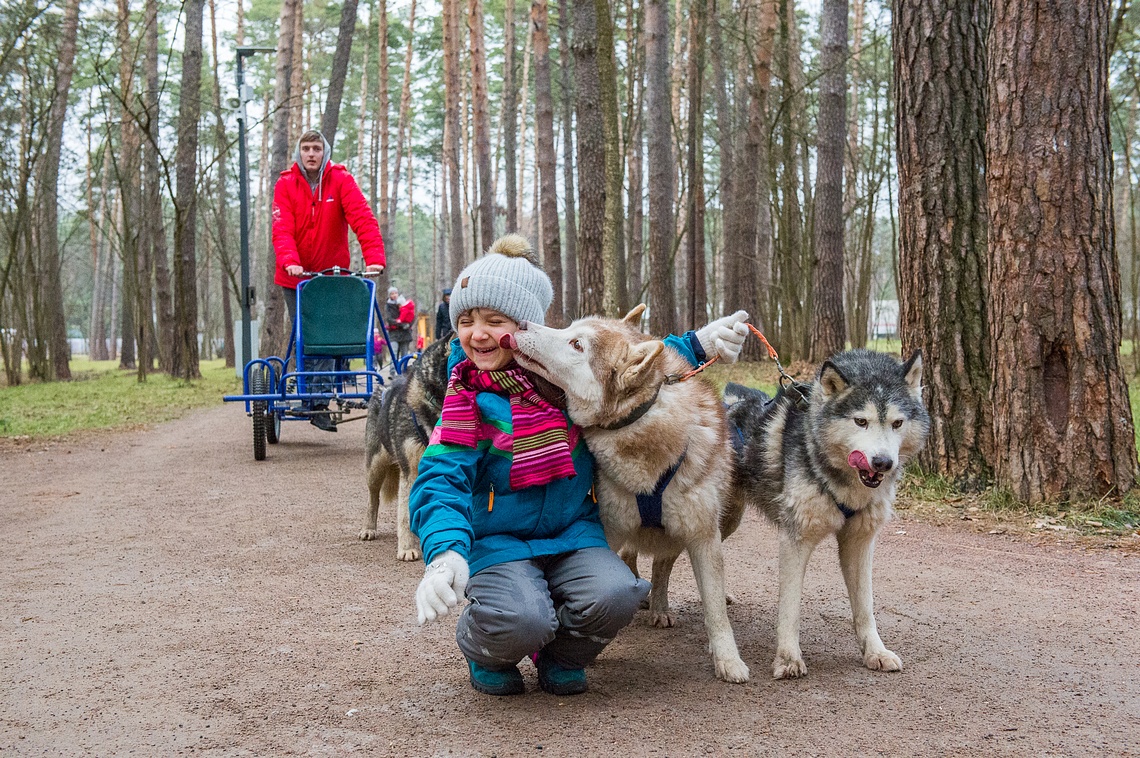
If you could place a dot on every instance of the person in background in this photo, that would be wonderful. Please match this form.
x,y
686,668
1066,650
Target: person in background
x,y
315,203
399,329
443,317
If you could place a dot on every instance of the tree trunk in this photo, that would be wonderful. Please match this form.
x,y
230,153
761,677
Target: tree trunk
x,y
591,159
828,325
402,125
50,265
570,271
152,213
546,158
482,122
331,117
615,297
1062,422
451,44
509,124
223,238
662,302
185,363
939,84
635,149
127,170
274,332
695,313
385,200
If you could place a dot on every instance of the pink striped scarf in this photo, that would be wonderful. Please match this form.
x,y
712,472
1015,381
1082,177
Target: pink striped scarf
x,y
541,441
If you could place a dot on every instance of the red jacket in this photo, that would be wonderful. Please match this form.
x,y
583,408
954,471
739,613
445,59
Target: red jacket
x,y
310,228
408,312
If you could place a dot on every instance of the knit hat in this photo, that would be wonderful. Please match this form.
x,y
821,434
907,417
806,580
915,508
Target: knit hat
x,y
507,279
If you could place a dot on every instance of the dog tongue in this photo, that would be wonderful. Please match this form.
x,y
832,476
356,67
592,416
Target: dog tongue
x,y
858,460
507,342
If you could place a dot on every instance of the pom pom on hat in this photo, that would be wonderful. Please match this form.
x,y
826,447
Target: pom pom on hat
x,y
507,279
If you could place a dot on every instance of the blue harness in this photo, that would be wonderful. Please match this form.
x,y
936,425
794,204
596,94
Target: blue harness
x,y
649,504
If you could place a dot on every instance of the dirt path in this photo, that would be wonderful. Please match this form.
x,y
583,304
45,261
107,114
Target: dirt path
x,y
164,594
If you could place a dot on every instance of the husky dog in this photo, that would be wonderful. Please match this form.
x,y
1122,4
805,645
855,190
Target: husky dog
x,y
651,436
400,419
825,459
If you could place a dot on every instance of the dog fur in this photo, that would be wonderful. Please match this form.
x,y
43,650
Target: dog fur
x,y
848,443
400,419
607,369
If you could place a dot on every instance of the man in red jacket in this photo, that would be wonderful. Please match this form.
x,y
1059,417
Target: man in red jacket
x,y
314,204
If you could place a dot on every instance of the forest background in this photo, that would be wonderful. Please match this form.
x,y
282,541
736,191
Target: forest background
x,y
975,161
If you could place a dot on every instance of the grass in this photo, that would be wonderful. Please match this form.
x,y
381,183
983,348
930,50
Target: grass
x,y
103,396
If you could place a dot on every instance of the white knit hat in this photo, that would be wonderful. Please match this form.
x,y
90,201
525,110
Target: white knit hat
x,y
507,279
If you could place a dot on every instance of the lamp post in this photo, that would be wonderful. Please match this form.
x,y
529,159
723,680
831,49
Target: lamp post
x,y
245,94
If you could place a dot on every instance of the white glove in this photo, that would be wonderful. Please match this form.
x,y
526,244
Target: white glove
x,y
443,584
724,337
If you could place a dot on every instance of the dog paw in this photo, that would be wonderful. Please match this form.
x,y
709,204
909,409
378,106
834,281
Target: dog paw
x,y
883,660
409,554
369,534
663,620
788,667
732,670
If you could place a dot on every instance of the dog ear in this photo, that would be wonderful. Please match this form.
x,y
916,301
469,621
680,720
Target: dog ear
x,y
641,358
831,379
912,371
633,318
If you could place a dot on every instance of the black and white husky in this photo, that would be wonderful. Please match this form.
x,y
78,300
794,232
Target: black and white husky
x,y
825,459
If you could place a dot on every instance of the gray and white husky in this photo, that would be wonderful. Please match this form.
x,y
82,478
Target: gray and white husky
x,y
650,435
401,416
825,459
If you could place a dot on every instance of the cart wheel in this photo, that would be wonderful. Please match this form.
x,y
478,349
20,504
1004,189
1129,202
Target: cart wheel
x,y
257,385
273,429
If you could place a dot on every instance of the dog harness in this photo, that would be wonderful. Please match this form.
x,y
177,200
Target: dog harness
x,y
649,504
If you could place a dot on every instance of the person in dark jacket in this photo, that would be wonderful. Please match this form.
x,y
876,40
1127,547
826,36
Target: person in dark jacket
x,y
443,317
315,202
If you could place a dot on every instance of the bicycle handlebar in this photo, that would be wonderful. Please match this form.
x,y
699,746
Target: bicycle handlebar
x,y
338,271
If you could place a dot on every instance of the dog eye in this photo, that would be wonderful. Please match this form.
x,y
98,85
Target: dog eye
x,y
897,425
576,344
861,423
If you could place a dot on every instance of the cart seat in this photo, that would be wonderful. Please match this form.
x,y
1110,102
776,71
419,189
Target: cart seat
x,y
335,313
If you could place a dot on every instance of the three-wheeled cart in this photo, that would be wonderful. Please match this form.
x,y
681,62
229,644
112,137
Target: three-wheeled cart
x,y
337,313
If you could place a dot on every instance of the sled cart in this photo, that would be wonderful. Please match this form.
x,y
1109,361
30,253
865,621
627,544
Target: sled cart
x,y
336,315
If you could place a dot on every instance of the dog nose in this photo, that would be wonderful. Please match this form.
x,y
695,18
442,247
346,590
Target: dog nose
x,y
522,326
882,463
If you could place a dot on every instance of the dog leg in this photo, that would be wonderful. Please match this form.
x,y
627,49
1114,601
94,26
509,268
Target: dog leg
x,y
794,556
659,595
856,552
407,543
708,567
375,480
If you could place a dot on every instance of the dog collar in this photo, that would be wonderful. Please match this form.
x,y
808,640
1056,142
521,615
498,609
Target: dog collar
x,y
634,415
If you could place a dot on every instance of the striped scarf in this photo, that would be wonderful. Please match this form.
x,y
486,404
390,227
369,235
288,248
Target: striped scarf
x,y
541,441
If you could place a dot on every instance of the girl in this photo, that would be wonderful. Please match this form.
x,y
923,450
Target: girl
x,y
503,503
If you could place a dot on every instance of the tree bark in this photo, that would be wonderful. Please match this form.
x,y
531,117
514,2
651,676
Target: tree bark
x,y
546,159
570,271
481,122
828,324
1062,422
509,125
50,266
939,84
635,149
386,201
697,297
615,297
152,215
591,159
331,117
662,301
458,256
185,363
127,174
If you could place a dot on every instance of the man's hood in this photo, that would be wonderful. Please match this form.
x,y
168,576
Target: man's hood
x,y
328,157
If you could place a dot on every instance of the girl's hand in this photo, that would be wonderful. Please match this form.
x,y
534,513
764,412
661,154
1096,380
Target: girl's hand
x,y
443,584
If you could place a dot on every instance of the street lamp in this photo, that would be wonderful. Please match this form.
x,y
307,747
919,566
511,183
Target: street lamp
x,y
245,94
